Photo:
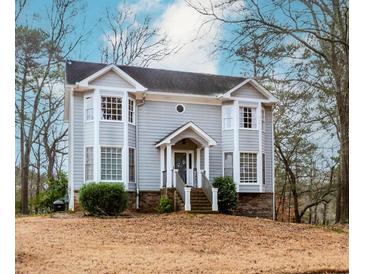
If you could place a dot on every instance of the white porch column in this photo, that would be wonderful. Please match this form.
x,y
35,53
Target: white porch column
x,y
236,147
125,161
206,161
259,154
168,166
198,172
214,199
97,115
187,198
162,163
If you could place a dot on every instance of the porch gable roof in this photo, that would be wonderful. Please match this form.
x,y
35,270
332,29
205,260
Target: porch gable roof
x,y
189,125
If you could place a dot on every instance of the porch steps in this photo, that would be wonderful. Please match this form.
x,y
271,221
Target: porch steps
x,y
199,202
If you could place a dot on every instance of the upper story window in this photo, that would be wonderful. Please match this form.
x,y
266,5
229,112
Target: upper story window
x,y
247,117
227,117
111,108
180,108
89,108
131,106
263,119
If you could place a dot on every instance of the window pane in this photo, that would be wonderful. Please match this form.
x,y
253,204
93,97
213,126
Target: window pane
x,y
111,108
111,163
247,117
131,165
228,164
89,163
248,168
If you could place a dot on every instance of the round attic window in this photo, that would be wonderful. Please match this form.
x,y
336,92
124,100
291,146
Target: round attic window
x,y
180,108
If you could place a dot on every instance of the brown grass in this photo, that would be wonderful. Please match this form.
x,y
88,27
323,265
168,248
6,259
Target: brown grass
x,y
176,243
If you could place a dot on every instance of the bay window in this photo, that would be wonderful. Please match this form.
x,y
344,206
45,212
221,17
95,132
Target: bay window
x,y
111,108
247,117
111,163
132,169
228,164
89,108
89,163
227,117
248,168
131,106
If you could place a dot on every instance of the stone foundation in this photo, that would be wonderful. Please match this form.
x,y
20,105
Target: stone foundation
x,y
76,201
255,205
148,201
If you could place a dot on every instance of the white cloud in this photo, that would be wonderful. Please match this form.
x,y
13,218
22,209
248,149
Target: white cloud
x,y
143,6
183,26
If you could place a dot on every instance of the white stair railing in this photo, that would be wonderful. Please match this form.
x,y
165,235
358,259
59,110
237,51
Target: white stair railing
x,y
210,191
183,190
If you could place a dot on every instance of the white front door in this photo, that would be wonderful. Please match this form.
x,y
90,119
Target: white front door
x,y
184,163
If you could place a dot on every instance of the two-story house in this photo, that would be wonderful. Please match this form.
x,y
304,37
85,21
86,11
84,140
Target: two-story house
x,y
161,131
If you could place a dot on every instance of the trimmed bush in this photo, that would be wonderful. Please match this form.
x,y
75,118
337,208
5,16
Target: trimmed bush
x,y
56,190
227,196
165,205
107,199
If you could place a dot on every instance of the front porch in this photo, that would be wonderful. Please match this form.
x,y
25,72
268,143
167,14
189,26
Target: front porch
x,y
182,154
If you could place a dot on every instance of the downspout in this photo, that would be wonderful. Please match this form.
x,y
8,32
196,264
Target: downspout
x,y
137,148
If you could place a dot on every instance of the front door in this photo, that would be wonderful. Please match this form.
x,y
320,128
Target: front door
x,y
180,164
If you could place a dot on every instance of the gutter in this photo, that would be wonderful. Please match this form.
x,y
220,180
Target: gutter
x,y
137,148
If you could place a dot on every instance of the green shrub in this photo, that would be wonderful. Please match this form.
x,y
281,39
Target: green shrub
x,y
56,188
165,205
227,196
103,198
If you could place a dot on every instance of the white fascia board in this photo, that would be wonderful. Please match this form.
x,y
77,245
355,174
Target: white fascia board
x,y
195,128
121,73
259,87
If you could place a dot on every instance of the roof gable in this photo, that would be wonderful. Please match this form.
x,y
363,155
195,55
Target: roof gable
x,y
112,76
250,89
187,128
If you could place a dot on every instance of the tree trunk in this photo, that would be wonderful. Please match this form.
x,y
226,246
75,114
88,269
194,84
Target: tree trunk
x,y
338,197
324,222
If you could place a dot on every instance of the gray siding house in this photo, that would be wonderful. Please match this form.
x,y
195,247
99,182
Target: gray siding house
x,y
169,132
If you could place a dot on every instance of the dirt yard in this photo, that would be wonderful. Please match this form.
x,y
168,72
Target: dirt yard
x,y
176,243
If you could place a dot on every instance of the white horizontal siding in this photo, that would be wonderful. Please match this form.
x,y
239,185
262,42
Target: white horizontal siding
x,y
267,149
111,133
89,133
227,140
249,140
78,139
132,135
248,91
249,188
111,79
158,119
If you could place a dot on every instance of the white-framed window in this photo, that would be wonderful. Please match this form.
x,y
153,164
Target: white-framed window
x,y
247,117
263,119
248,168
131,109
132,165
180,108
89,108
228,164
227,117
111,108
89,163
263,168
111,163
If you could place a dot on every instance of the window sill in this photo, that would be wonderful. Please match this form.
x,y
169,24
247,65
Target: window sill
x,y
132,124
112,121
249,184
245,128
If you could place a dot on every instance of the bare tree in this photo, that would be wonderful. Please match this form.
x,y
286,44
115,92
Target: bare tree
x,y
39,53
129,42
321,31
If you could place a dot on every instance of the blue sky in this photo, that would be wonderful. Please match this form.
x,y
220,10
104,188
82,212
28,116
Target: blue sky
x,y
173,17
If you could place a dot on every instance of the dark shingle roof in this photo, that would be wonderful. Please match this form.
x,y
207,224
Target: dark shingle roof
x,y
160,79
